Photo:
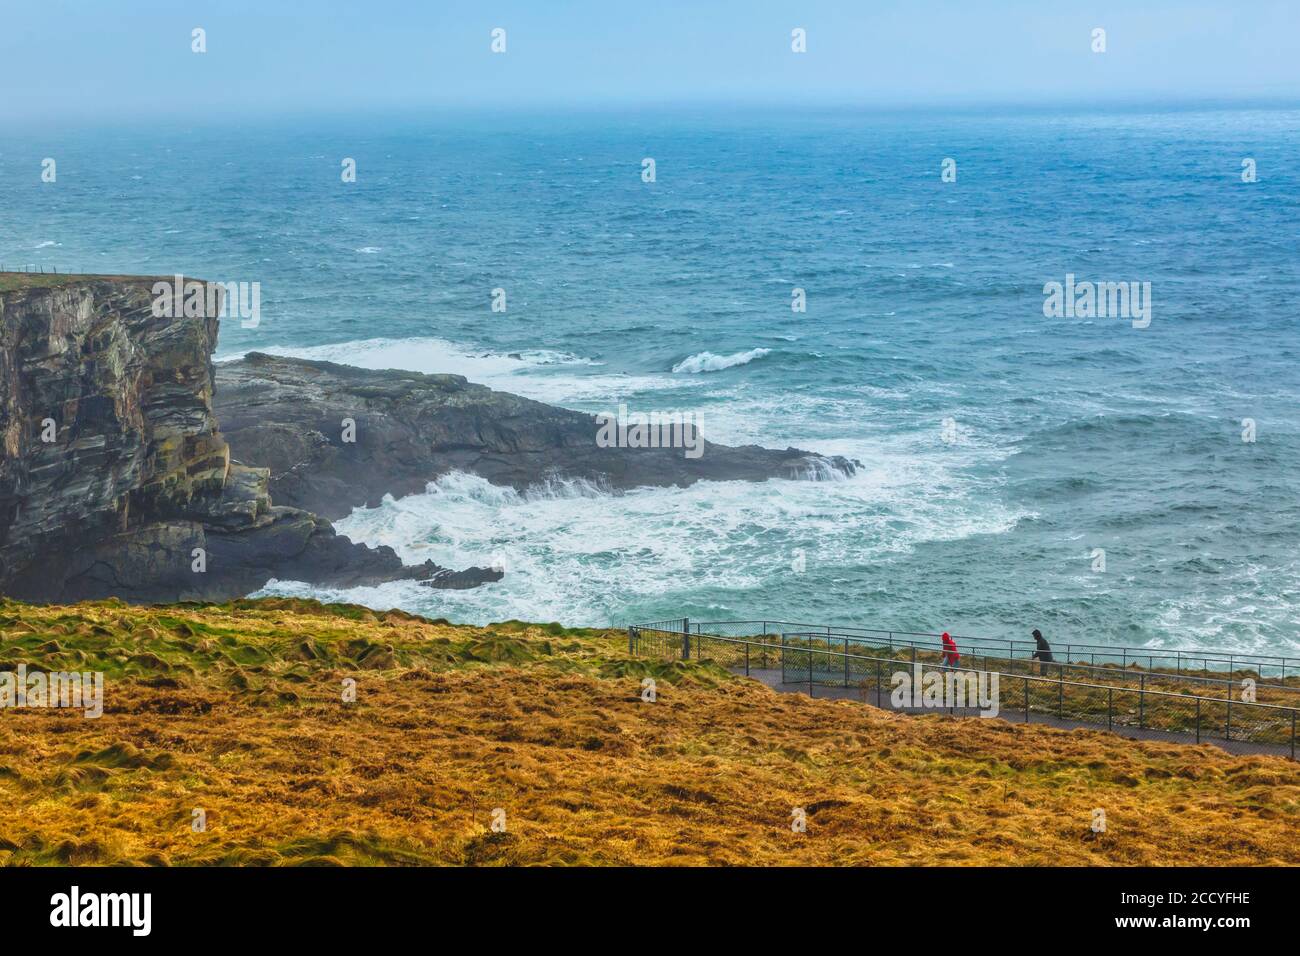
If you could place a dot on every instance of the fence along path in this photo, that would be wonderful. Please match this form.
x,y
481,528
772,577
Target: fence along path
x,y
1267,668
1227,685
815,662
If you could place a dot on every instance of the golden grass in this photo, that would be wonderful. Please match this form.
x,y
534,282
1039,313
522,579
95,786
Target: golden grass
x,y
237,709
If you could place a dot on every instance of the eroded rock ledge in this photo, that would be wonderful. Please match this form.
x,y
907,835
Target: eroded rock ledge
x,y
117,481
287,414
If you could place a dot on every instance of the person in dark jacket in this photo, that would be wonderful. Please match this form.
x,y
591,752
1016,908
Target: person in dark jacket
x,y
1044,652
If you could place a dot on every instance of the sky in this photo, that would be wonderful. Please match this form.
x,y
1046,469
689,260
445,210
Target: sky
x,y
113,59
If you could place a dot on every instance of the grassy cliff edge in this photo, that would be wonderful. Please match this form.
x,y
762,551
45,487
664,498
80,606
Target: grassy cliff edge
x,y
237,711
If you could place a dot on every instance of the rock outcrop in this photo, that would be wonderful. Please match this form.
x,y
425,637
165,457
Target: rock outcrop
x,y
408,429
116,479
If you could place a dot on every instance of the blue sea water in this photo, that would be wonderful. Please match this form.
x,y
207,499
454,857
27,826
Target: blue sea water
x,y
924,304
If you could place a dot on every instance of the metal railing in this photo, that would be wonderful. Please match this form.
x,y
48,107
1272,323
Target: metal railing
x,y
39,269
809,659
1226,686
1265,667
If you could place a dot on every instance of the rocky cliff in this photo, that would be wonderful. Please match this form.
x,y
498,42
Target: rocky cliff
x,y
116,479
408,429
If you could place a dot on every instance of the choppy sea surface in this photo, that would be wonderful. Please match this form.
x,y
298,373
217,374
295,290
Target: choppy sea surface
x,y
924,308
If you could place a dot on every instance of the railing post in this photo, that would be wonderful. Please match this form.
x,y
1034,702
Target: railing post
x,y
1142,701
1211,676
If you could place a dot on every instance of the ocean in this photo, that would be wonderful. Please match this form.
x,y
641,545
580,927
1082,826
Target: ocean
x,y
1084,475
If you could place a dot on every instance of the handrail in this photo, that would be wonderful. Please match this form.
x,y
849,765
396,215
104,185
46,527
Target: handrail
x,y
678,641
1106,648
1044,680
1286,662
1118,672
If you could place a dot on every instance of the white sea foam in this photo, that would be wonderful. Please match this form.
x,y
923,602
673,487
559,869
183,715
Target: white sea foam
x,y
1234,615
708,362
574,553
542,374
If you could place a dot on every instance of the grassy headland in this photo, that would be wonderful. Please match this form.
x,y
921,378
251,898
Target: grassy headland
x,y
238,710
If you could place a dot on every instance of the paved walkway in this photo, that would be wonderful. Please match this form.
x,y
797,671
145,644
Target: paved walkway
x,y
774,679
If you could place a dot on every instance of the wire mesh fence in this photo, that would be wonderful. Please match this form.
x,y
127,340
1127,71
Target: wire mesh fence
x,y
1226,685
1276,670
1131,704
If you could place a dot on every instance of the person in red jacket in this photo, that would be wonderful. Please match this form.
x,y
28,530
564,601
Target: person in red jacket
x,y
950,654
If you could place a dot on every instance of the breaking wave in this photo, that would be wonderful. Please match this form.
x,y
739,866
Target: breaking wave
x,y
708,362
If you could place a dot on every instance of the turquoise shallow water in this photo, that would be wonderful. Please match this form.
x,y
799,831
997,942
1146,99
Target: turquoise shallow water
x,y
925,304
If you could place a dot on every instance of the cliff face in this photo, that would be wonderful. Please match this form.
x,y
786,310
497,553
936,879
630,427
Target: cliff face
x,y
411,428
117,480
115,470
105,410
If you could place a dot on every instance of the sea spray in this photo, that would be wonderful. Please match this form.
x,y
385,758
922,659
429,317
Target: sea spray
x,y
708,362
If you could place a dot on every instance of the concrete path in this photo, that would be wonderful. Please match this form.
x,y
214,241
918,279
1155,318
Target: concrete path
x,y
774,679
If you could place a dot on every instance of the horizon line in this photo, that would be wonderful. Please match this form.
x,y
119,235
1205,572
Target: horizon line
x,y
815,107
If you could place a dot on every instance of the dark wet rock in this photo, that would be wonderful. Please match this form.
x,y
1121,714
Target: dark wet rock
x,y
462,580
140,494
137,480
289,415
